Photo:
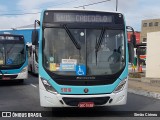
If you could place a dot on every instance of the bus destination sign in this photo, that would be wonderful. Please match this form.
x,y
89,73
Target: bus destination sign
x,y
9,38
80,17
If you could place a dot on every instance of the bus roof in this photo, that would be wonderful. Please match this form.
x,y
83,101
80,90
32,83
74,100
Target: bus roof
x,y
77,9
19,29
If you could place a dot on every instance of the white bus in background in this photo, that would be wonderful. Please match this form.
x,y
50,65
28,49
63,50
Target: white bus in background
x,y
32,59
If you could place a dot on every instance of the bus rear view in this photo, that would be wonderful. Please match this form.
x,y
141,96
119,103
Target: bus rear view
x,y
83,59
13,59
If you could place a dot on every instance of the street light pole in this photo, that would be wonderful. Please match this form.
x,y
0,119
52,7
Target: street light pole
x,y
116,5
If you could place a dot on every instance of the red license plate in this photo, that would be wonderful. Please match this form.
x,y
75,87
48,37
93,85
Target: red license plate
x,y
86,104
6,78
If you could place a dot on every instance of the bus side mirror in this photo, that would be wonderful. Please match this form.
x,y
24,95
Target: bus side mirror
x,y
131,52
27,47
133,39
35,37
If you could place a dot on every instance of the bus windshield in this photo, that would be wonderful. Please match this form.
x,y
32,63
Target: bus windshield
x,y
12,54
61,56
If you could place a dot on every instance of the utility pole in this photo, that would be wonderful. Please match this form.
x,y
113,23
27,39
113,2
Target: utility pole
x,y
116,5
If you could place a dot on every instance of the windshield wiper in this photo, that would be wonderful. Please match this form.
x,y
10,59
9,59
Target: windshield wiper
x,y
72,37
98,44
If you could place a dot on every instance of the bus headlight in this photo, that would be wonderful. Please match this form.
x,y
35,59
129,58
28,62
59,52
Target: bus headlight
x,y
120,86
24,69
48,86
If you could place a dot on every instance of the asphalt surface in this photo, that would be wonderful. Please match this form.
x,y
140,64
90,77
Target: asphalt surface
x,y
15,96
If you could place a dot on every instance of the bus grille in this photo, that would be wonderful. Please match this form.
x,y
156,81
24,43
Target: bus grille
x,y
76,101
8,76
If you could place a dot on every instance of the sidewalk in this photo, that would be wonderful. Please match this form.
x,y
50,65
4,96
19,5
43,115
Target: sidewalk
x,y
145,86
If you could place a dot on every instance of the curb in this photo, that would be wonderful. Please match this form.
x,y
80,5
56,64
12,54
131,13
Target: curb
x,y
145,93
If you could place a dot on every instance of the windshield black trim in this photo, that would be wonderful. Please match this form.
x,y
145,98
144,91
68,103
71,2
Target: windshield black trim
x,y
6,67
91,81
85,26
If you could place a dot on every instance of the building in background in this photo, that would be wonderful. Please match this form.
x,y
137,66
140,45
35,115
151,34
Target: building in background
x,y
137,34
153,55
150,25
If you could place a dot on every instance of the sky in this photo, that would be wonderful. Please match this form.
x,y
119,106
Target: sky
x,y
134,10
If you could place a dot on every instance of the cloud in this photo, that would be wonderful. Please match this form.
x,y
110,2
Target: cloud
x,y
135,11
32,4
29,6
7,22
141,10
3,8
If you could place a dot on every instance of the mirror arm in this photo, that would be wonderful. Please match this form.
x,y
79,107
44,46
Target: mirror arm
x,y
130,28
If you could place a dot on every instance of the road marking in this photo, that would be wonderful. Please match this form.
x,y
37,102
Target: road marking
x,y
33,85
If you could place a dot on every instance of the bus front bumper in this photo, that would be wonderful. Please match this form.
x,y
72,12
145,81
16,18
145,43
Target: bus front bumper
x,y
48,99
22,75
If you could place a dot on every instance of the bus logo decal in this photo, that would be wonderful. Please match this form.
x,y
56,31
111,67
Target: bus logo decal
x,y
86,90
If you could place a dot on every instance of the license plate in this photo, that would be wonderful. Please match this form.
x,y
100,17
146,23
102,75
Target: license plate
x,y
86,104
6,78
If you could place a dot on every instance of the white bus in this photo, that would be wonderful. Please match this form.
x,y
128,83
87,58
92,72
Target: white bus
x,y
32,59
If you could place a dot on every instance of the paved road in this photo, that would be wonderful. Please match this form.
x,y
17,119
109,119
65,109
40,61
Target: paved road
x,y
16,96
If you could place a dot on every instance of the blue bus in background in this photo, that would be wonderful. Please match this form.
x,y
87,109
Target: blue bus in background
x,y
13,57
32,50
83,58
